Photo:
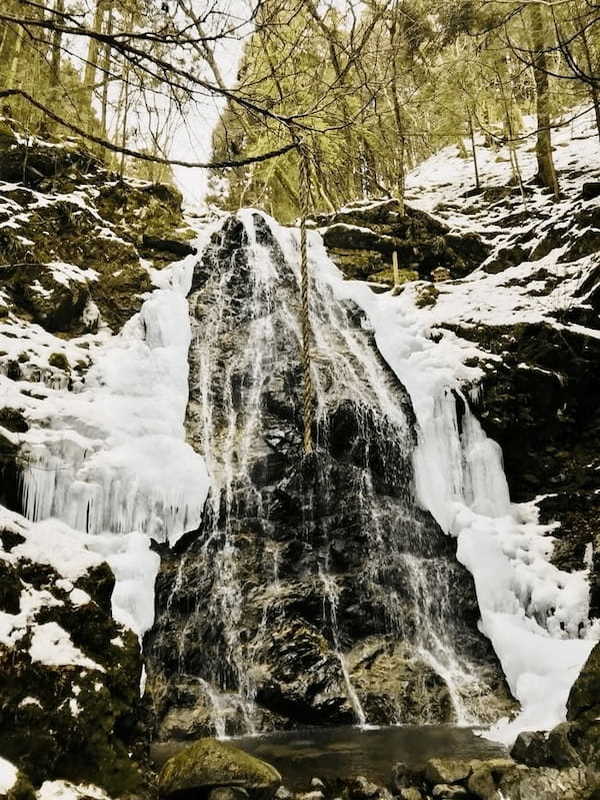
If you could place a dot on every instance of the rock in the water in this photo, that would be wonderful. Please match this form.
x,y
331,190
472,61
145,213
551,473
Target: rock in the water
x,y
446,792
531,748
481,783
228,793
405,777
209,763
446,770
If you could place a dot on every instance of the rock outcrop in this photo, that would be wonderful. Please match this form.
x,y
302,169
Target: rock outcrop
x,y
315,588
69,674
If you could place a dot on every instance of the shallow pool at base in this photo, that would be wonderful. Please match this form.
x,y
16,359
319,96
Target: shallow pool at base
x,y
343,752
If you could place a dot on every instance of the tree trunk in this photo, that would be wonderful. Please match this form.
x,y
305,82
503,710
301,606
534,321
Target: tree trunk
x,y
89,76
543,148
59,7
106,63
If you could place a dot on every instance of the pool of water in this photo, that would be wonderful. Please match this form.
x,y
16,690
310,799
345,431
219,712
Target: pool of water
x,y
331,753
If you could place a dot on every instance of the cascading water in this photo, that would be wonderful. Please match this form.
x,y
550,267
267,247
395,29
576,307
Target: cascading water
x,y
315,590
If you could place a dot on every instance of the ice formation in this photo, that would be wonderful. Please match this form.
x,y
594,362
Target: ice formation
x,y
110,458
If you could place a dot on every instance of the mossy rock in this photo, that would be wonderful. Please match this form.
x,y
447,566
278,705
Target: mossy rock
x,y
387,276
208,763
427,296
59,361
584,697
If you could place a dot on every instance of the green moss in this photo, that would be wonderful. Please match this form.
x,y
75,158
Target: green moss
x,y
427,296
387,276
208,763
59,360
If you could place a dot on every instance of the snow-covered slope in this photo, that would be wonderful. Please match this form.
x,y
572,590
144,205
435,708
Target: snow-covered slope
x,y
93,388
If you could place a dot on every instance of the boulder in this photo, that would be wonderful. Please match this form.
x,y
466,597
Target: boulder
x,y
209,764
531,748
405,777
481,783
590,189
446,770
524,783
584,698
561,748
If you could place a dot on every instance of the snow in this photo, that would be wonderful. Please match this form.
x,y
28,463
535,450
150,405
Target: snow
x,y
52,646
100,462
8,775
63,790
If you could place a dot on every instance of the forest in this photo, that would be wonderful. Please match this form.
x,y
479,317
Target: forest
x,y
299,400
379,86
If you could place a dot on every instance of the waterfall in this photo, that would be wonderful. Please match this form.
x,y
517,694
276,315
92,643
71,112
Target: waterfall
x,y
356,618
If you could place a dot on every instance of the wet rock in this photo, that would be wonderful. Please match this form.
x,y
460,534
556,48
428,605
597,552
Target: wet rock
x,y
209,763
446,770
391,677
228,793
544,783
410,793
405,776
583,703
531,748
561,749
446,792
308,582
481,783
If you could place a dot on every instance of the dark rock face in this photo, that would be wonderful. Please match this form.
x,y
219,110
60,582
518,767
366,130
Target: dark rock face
x,y
68,721
361,240
315,592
